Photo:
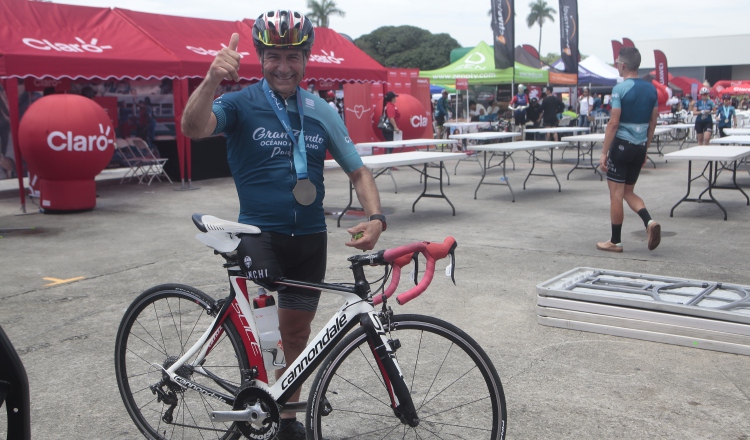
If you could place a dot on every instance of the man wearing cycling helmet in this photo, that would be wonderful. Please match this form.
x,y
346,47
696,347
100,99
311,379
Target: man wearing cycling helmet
x,y
704,124
277,139
726,115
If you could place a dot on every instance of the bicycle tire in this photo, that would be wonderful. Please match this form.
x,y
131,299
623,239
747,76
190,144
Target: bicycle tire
x,y
678,134
165,321
455,387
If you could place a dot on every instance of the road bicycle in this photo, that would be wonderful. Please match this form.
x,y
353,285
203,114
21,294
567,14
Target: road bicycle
x,y
189,366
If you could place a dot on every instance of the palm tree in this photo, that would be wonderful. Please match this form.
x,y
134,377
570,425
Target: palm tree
x,y
540,12
320,11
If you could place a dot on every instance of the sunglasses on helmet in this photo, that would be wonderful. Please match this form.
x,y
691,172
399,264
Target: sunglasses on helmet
x,y
292,37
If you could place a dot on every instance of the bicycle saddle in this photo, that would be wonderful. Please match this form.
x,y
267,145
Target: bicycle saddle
x,y
219,234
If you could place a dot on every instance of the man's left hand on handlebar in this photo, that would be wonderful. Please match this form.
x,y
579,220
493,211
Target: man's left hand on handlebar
x,y
370,233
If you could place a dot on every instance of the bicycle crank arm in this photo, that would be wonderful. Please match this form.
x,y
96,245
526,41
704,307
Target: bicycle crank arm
x,y
252,415
293,407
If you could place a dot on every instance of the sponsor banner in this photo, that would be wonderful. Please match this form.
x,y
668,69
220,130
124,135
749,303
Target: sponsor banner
x,y
569,35
503,31
420,89
462,83
616,46
661,71
359,114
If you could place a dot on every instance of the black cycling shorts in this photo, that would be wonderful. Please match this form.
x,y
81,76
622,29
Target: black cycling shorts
x,y
270,255
703,125
440,119
624,161
551,122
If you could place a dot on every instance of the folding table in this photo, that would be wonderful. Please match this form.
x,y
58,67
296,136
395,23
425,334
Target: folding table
x,y
713,155
507,149
402,144
384,162
482,136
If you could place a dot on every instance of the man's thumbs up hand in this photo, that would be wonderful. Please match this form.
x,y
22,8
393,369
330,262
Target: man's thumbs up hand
x,y
227,62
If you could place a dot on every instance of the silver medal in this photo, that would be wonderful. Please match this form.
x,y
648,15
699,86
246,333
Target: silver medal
x,y
304,192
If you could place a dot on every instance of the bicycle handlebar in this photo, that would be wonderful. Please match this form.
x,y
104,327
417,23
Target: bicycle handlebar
x,y
402,255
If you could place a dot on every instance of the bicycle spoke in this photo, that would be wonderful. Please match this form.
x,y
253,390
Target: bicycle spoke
x,y
436,375
360,388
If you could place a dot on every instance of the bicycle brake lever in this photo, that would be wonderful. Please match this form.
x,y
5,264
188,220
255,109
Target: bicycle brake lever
x,y
450,270
415,272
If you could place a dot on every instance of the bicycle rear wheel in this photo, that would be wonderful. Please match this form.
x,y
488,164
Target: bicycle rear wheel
x,y
454,386
159,327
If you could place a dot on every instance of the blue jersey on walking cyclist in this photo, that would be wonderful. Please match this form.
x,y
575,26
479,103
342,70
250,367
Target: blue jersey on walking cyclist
x,y
277,138
704,124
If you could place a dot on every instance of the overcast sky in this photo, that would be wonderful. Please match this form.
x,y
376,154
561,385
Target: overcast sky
x,y
467,21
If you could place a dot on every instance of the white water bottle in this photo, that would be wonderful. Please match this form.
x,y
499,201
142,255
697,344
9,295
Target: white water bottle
x,y
266,318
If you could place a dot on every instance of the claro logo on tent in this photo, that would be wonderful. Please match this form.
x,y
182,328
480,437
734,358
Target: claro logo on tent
x,y
59,141
211,52
81,46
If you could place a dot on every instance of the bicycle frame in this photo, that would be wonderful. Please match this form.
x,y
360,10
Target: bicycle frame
x,y
354,311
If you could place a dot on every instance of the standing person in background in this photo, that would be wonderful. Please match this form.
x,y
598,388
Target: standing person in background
x,y
442,112
726,116
704,124
585,105
518,104
550,106
280,184
391,111
629,133
534,115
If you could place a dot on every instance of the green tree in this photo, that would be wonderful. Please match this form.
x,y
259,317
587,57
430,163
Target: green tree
x,y
540,12
320,11
550,58
408,47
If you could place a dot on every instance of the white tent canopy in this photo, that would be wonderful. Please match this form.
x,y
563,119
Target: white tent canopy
x,y
600,68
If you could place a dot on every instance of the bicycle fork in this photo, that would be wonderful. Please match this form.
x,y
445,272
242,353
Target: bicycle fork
x,y
384,351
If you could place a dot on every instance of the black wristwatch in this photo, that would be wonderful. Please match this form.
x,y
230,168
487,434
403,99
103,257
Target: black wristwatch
x,y
380,217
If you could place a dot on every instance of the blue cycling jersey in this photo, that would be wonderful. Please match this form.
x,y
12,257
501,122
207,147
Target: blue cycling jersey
x,y
637,99
704,104
261,158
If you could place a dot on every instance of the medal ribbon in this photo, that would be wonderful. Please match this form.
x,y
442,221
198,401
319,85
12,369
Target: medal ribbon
x,y
300,153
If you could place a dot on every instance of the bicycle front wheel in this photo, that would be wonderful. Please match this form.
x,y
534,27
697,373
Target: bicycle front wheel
x,y
454,386
159,327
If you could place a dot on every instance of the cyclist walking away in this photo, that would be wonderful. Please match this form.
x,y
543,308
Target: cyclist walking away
x,y
277,138
704,124
726,115
626,141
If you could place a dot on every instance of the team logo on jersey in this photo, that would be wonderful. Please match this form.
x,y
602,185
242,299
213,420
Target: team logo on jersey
x,y
309,103
248,262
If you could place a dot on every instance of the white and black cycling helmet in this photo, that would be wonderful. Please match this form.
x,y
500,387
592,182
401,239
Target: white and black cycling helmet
x,y
283,29
521,88
704,91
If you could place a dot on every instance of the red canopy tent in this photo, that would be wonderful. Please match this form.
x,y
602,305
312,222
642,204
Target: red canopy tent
x,y
39,39
195,42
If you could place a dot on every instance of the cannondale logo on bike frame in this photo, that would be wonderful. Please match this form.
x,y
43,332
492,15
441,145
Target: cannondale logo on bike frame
x,y
330,333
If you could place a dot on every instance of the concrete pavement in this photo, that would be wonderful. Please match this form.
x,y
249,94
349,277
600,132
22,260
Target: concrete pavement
x,y
558,383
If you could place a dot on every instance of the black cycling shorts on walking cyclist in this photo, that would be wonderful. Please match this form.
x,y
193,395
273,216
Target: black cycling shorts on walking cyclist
x,y
268,256
704,125
624,161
